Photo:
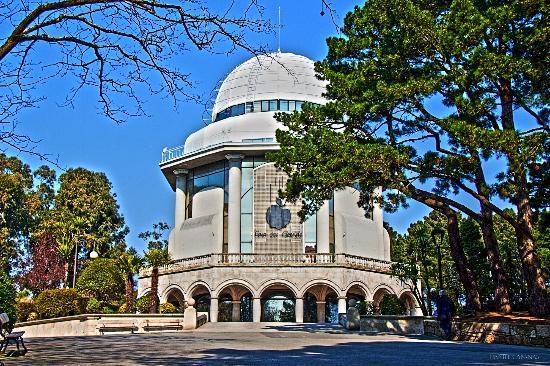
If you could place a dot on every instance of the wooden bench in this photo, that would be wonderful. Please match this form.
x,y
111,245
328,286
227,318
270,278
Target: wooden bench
x,y
116,326
163,324
10,337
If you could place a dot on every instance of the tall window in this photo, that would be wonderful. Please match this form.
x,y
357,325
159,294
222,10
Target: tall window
x,y
247,194
310,234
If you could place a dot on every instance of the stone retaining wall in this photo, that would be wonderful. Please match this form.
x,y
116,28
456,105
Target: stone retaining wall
x,y
88,324
518,334
392,324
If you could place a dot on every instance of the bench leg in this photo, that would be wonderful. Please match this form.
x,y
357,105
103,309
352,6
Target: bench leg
x,y
23,344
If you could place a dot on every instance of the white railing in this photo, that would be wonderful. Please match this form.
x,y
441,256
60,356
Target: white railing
x,y
171,153
274,259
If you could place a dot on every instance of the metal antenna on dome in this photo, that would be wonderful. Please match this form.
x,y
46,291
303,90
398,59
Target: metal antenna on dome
x,y
279,36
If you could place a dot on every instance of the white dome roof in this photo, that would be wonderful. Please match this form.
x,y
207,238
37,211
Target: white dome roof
x,y
283,76
273,76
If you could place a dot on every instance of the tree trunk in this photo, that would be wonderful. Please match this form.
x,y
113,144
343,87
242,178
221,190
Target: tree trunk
x,y
154,308
498,275
465,272
129,295
66,279
539,304
536,288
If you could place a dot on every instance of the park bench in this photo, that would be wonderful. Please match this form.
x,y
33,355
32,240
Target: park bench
x,y
162,324
116,326
10,337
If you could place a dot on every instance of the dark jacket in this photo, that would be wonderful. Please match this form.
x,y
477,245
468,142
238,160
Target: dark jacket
x,y
445,308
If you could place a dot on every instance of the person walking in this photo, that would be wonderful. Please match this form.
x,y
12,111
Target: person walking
x,y
445,313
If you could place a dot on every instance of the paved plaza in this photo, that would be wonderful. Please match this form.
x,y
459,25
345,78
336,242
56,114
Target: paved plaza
x,y
270,344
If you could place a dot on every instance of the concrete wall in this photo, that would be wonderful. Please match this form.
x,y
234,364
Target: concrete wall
x,y
85,325
202,234
354,233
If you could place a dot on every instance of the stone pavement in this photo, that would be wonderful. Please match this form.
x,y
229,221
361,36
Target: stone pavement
x,y
269,344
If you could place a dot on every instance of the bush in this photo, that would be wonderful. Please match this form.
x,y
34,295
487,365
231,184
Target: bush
x,y
167,308
7,298
25,307
102,280
391,305
32,316
94,306
59,302
143,304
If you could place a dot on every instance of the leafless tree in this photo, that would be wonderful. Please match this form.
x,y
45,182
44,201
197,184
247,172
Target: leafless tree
x,y
124,49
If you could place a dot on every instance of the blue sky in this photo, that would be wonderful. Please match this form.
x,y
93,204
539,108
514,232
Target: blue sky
x,y
129,153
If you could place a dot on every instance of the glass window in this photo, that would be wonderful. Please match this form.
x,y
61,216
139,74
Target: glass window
x,y
246,228
257,106
299,106
249,107
265,105
283,105
273,105
310,231
237,110
291,105
246,247
259,160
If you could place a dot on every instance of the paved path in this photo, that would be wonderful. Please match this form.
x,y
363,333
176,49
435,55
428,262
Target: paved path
x,y
269,344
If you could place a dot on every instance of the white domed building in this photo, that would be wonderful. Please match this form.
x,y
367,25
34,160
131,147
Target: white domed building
x,y
241,252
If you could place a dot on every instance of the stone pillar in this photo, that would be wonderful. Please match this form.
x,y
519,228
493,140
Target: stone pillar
x,y
342,308
299,309
236,311
190,315
181,183
234,203
256,310
320,311
214,309
323,229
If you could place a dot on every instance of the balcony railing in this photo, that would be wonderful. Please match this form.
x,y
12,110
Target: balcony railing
x,y
274,259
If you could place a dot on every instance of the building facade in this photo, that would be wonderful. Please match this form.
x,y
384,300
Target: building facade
x,y
242,252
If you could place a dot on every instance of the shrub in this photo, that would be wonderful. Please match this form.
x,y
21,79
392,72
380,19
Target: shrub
x,y
25,307
32,316
167,308
101,279
58,302
7,298
94,306
143,304
391,305
123,308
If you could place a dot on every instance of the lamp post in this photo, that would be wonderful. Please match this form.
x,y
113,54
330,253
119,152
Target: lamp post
x,y
435,233
93,255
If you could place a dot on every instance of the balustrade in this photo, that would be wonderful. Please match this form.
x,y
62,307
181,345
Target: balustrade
x,y
259,259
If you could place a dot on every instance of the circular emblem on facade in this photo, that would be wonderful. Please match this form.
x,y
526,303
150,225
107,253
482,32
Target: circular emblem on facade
x,y
277,216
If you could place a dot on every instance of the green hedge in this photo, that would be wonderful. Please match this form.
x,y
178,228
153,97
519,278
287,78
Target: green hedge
x,y
391,305
167,308
143,304
59,302
102,280
7,298
24,309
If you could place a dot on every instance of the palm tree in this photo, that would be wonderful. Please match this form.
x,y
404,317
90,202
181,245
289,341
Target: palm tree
x,y
156,256
130,263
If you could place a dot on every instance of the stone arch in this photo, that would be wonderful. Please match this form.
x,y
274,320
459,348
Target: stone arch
x,y
321,301
195,286
264,286
278,301
334,287
411,305
235,301
225,284
144,292
378,295
362,288
170,288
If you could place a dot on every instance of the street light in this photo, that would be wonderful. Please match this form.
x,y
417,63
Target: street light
x,y
435,233
93,255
